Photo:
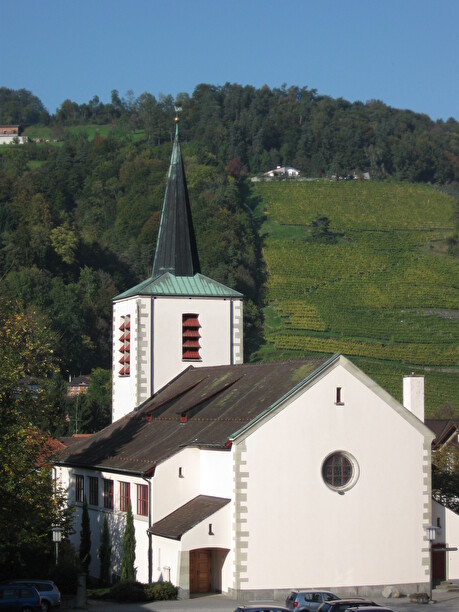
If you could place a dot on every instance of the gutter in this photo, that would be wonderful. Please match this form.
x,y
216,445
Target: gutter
x,y
106,468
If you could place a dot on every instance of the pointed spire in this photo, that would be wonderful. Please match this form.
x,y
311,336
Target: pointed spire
x,y
176,250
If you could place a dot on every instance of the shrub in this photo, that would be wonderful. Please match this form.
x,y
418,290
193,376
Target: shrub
x,y
128,590
157,591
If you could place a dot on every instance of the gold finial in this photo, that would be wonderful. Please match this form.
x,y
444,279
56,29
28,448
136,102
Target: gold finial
x,y
178,109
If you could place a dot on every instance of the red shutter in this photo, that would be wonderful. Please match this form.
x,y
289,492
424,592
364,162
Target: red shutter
x,y
191,336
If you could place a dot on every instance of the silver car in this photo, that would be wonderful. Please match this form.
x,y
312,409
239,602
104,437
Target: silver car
x,y
308,599
49,593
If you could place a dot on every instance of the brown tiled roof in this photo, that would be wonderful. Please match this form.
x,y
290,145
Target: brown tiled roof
x,y
443,429
202,407
186,517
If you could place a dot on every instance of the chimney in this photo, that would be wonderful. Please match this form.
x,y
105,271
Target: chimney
x,y
413,395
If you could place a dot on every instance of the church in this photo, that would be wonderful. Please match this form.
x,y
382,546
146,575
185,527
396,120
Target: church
x,y
249,479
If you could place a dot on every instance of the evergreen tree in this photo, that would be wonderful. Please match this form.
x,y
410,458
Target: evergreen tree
x,y
105,553
127,567
85,538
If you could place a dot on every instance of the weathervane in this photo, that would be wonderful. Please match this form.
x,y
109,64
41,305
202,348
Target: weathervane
x,y
178,109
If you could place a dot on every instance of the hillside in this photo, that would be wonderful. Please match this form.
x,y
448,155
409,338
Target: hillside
x,y
377,285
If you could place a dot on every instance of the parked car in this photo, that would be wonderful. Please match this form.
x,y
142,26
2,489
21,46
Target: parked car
x,y
261,608
376,608
342,605
308,599
19,598
49,593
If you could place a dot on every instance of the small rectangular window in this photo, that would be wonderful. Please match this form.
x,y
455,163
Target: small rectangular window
x,y
79,488
339,396
93,491
142,500
125,495
108,494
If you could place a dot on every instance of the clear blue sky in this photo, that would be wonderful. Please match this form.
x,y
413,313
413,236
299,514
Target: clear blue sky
x,y
403,52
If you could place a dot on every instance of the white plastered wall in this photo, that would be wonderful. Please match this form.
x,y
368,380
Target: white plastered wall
x,y
156,343
448,534
220,344
372,534
116,519
186,475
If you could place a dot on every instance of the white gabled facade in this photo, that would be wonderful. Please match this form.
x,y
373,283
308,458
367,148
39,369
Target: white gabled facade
x,y
369,535
155,350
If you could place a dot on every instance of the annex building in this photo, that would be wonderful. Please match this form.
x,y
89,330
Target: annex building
x,y
249,479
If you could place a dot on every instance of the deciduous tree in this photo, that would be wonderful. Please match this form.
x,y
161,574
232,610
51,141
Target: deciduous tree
x,y
30,504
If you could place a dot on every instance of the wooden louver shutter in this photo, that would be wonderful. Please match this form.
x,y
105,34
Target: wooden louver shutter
x,y
191,336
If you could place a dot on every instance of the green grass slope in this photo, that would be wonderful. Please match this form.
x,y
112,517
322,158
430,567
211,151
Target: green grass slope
x,y
384,292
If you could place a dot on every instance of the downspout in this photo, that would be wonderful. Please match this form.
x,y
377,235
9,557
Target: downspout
x,y
147,476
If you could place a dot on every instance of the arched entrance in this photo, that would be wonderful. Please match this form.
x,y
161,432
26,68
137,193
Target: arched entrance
x,y
206,570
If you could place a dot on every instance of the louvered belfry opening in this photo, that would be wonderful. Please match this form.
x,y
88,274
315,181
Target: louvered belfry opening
x,y
125,346
190,336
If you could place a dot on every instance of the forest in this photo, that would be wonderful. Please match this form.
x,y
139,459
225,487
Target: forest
x,y
80,203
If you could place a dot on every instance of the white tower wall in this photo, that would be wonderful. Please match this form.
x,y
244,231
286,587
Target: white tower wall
x,y
156,342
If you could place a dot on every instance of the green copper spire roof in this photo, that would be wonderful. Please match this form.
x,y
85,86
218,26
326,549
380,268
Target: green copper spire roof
x,y
176,270
176,250
170,285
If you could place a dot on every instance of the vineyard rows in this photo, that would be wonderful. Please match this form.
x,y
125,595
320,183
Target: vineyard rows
x,y
384,291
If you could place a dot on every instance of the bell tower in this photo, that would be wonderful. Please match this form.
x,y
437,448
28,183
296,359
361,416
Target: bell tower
x,y
177,317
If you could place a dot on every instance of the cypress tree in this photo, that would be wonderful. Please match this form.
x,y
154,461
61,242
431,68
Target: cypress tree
x,y
105,553
127,567
85,538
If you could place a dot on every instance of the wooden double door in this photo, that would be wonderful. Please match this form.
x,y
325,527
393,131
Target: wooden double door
x,y
201,570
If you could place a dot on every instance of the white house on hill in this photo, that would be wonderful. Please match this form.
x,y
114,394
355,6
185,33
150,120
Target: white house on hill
x,y
287,171
247,479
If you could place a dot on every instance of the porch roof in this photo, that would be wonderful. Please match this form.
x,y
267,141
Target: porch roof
x,y
175,524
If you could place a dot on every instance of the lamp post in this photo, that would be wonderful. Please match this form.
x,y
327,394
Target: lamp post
x,y
57,537
431,532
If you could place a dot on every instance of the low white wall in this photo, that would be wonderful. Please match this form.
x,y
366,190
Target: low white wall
x,y
448,534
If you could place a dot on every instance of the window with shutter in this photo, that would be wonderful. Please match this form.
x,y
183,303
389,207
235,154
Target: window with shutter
x,y
125,346
190,337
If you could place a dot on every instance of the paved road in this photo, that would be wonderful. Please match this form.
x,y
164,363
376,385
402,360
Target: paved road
x,y
444,602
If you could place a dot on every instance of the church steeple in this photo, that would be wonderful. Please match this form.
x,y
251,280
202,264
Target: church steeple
x,y
176,250
175,318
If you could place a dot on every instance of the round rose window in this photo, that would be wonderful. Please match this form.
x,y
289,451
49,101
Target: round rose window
x,y
340,471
